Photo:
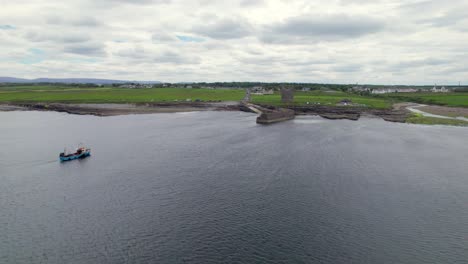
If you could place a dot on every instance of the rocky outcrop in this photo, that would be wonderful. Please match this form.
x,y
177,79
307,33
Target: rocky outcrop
x,y
124,109
352,113
275,116
268,114
392,115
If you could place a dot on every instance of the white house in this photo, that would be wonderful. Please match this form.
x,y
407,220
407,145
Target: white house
x,y
442,89
259,90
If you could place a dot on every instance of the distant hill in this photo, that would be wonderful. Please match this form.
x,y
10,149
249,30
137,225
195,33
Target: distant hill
x,y
69,80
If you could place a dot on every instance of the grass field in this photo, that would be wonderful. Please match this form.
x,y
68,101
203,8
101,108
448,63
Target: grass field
x,y
70,94
420,119
115,95
64,94
24,88
325,98
448,99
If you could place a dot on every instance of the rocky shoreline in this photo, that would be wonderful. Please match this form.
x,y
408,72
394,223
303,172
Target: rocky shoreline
x,y
119,109
352,113
397,114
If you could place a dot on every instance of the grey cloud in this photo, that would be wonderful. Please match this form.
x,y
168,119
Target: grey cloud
x,y
226,28
35,36
86,22
298,60
54,20
455,69
447,18
207,2
422,63
347,68
421,6
137,53
406,66
435,13
360,2
307,62
251,3
304,29
161,37
81,21
86,49
258,60
114,3
74,38
411,43
140,55
175,58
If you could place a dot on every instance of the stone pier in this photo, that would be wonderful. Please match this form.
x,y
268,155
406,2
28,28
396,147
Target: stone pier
x,y
271,115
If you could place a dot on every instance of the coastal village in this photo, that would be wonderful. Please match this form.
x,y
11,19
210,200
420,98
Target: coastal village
x,y
262,90
435,89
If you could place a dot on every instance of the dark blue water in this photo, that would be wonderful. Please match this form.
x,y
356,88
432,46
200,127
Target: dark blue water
x,y
215,187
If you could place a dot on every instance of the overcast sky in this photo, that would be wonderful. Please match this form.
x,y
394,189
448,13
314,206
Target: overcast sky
x,y
332,41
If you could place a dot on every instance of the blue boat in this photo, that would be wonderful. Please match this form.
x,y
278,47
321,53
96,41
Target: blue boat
x,y
79,154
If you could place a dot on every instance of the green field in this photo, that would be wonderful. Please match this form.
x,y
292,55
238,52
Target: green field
x,y
424,120
25,88
447,99
67,94
324,98
71,94
50,94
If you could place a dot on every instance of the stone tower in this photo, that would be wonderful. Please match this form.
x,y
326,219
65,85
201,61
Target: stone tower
x,y
287,95
247,96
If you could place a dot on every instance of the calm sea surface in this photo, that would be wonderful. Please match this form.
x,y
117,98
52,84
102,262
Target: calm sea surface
x,y
214,187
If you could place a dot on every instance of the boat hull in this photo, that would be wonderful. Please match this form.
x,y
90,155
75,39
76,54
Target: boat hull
x,y
76,156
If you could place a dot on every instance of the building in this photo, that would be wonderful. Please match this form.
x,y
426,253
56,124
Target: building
x,y
287,95
135,86
358,88
393,90
382,91
442,89
259,90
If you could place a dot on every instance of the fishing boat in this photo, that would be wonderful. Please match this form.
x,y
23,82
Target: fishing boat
x,y
80,153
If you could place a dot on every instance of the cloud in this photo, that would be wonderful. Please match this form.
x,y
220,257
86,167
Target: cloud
x,y
74,21
226,28
175,58
381,41
135,53
69,37
445,19
347,68
150,55
86,49
252,3
161,37
115,3
422,63
305,29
